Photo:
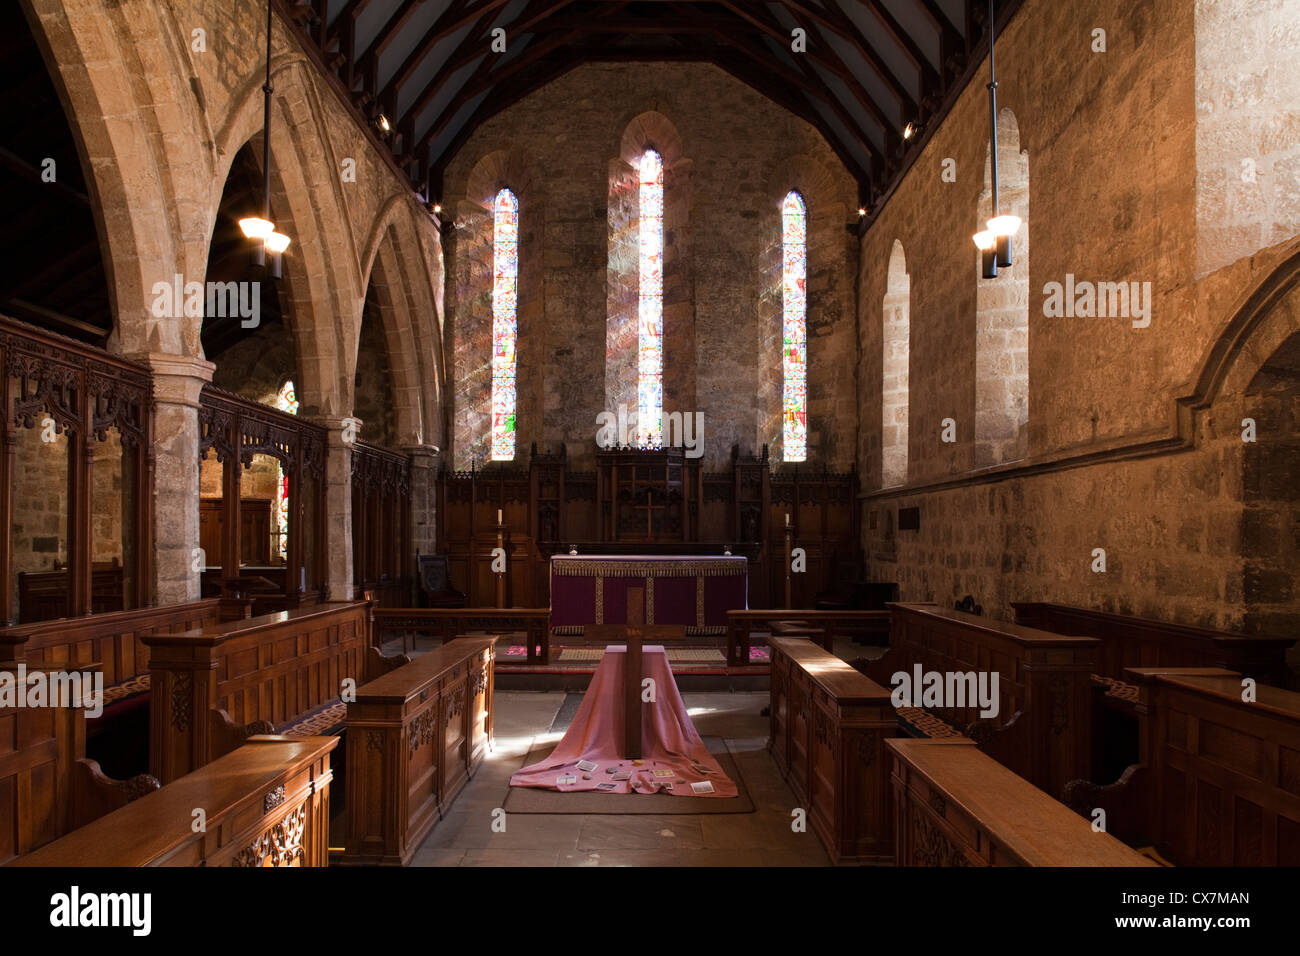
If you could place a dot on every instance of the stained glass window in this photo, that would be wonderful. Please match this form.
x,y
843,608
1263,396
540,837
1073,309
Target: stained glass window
x,y
794,315
650,307
505,328
285,401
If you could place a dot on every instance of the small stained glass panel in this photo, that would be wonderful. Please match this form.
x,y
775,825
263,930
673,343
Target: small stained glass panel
x,y
650,305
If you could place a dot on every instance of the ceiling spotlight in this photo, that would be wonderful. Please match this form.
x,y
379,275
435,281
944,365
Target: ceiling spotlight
x,y
862,211
909,131
437,208
256,228
382,122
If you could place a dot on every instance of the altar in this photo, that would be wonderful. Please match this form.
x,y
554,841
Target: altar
x,y
696,591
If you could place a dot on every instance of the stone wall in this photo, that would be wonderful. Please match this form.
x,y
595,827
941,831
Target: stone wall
x,y
739,155
1133,444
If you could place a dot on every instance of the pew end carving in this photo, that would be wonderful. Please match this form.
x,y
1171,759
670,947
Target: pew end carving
x,y
95,794
226,735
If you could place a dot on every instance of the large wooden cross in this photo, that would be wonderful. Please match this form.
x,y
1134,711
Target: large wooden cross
x,y
632,675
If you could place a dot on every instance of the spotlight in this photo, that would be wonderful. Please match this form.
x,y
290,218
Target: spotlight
x,y
1004,227
437,208
909,131
277,243
862,211
255,228
382,122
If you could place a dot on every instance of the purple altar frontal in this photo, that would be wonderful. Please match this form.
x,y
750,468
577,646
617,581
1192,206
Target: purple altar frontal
x,y
691,590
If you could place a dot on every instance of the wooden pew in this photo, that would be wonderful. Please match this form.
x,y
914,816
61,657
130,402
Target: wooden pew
x,y
446,624
115,640
415,735
47,787
956,806
872,626
1138,642
1044,724
276,668
829,726
265,804
1218,783
43,595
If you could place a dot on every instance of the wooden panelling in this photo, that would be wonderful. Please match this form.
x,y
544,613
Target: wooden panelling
x,y
414,736
956,806
266,804
275,667
829,727
1043,728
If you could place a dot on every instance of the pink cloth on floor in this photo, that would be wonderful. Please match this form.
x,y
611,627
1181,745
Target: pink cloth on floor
x,y
669,740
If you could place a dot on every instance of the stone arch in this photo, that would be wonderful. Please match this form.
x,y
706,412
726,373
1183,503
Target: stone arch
x,y
469,256
323,291
649,130
896,333
145,146
1002,313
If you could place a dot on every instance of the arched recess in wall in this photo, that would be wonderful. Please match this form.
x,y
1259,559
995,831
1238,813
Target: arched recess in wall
x,y
826,209
1002,314
625,264
470,253
896,324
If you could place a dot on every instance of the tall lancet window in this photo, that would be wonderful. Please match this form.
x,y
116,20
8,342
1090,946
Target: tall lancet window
x,y
286,401
794,316
505,328
650,305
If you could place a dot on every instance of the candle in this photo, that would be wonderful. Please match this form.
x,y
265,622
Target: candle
x,y
498,516
787,519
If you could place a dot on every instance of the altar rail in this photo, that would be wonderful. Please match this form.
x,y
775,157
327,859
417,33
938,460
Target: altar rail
x,y
829,727
870,625
956,806
446,624
415,735
1043,729
1139,642
266,804
276,668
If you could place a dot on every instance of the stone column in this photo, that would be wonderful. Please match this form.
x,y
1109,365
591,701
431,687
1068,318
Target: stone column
x,y
338,505
177,381
424,497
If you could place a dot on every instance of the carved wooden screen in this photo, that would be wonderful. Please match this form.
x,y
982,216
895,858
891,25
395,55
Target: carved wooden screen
x,y
236,429
86,399
381,527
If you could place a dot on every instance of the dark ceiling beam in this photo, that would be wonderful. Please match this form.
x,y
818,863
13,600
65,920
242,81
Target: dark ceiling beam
x,y
952,49
388,95
441,29
758,16
368,62
536,12
343,31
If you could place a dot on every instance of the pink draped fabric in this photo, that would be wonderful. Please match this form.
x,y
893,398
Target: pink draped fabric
x,y
669,741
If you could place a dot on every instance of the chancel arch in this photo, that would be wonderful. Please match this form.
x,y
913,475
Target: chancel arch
x,y
1002,313
896,326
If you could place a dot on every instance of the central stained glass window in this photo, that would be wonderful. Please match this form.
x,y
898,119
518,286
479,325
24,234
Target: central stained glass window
x,y
505,306
794,315
650,306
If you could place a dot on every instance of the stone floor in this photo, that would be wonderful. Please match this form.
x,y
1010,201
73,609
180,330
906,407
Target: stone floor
x,y
763,838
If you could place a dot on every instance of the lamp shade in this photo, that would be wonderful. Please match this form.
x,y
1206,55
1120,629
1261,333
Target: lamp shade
x,y
255,228
1004,225
985,239
277,243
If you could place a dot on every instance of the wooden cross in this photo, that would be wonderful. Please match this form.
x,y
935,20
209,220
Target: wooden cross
x,y
632,675
649,508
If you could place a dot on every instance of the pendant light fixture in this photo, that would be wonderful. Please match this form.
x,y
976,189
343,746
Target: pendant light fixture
x,y
261,229
994,242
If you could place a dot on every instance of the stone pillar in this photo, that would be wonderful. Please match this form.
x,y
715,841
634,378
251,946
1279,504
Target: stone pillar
x,y
338,505
424,497
177,381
